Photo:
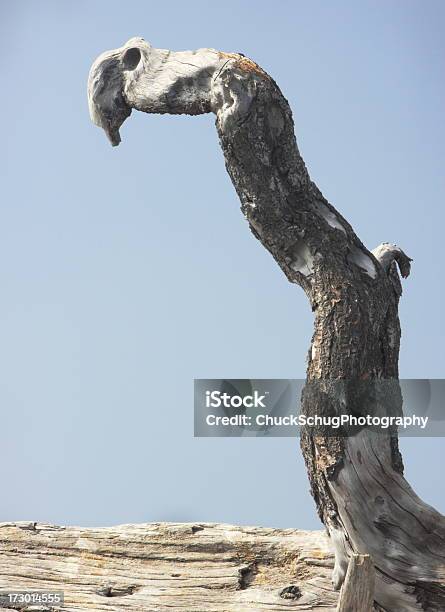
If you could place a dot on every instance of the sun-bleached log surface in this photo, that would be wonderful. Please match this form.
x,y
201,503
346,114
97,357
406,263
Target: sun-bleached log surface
x,y
157,567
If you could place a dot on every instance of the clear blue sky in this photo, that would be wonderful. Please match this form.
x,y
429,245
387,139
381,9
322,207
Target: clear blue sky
x,y
127,272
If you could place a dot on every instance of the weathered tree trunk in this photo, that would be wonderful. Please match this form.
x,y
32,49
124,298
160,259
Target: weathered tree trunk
x,y
357,482
167,567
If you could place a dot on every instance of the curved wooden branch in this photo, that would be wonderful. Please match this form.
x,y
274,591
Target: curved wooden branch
x,y
357,482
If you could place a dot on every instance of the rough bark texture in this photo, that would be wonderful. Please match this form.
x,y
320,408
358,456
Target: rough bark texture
x,y
357,482
160,567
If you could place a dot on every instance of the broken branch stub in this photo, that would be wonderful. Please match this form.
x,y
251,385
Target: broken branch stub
x,y
357,591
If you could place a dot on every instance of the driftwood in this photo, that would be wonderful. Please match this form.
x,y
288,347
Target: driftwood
x,y
357,482
159,567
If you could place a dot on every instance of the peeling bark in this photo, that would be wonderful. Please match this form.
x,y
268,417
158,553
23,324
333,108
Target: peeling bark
x,y
357,482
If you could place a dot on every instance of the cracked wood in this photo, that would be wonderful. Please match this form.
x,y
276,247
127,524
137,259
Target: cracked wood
x,y
160,567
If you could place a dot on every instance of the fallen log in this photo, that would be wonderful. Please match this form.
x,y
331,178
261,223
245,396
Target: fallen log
x,y
157,567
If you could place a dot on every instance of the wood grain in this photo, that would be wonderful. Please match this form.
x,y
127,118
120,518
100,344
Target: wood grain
x,y
157,567
357,592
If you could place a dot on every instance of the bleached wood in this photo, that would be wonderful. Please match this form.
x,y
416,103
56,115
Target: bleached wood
x,y
357,592
160,567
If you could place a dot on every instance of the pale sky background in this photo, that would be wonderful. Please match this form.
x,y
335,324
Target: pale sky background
x,y
127,272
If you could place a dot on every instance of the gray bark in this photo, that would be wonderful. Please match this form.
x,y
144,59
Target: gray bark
x,y
357,482
166,567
